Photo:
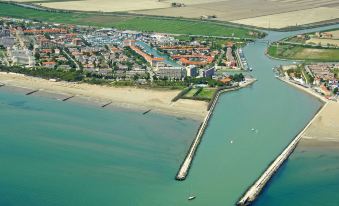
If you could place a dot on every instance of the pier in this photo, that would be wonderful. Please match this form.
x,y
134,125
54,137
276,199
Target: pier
x,y
67,98
32,92
252,193
185,166
105,105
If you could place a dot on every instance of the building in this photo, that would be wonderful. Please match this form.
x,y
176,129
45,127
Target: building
x,y
130,34
164,71
208,72
321,71
50,65
21,57
4,32
7,41
192,71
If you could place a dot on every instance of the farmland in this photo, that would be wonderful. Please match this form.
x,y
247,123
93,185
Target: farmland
x,y
293,52
176,26
260,13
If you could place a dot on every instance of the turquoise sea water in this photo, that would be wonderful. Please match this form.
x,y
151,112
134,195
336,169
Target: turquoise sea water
x,y
63,153
58,153
309,177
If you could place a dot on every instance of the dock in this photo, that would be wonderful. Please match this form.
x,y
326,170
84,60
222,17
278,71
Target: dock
x,y
252,193
105,105
67,98
32,92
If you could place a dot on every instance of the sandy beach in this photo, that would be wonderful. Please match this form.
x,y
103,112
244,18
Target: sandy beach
x,y
125,97
324,130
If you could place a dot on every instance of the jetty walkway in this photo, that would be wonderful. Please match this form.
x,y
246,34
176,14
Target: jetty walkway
x,y
252,193
185,166
183,171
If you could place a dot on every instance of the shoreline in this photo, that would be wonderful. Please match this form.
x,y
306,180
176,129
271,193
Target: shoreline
x,y
158,101
306,90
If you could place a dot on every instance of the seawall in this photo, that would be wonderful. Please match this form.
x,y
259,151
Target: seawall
x,y
252,193
186,164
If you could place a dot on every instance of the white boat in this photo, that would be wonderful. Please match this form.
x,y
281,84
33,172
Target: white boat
x,y
252,129
231,141
251,69
192,197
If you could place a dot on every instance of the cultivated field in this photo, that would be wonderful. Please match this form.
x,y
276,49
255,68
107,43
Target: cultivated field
x,y
294,18
262,13
174,26
323,42
303,53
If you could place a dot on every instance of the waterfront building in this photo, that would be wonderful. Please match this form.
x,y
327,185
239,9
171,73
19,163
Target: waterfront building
x,y
208,72
192,71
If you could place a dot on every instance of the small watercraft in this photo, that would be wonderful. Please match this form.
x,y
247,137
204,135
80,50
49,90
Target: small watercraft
x,y
192,197
231,141
252,129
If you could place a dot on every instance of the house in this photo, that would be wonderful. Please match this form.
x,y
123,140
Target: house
x,y
50,65
226,80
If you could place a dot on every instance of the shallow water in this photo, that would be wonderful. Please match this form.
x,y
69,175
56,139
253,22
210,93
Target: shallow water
x,y
309,177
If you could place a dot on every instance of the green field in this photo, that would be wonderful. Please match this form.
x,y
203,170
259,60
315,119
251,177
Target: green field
x,y
191,92
207,93
293,52
175,26
2,53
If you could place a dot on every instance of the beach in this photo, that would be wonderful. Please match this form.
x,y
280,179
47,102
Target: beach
x,y
156,100
324,131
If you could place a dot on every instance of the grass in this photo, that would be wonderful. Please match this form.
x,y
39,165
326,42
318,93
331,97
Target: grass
x,y
293,52
207,93
2,53
191,92
175,26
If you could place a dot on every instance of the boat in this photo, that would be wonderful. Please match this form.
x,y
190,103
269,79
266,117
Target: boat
x,y
231,141
252,129
192,197
251,69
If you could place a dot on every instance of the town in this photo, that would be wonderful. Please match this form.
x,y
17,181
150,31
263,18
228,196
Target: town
x,y
322,78
120,57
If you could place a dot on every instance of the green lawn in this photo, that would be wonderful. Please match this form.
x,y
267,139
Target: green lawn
x,y
207,93
2,53
191,92
175,26
303,53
